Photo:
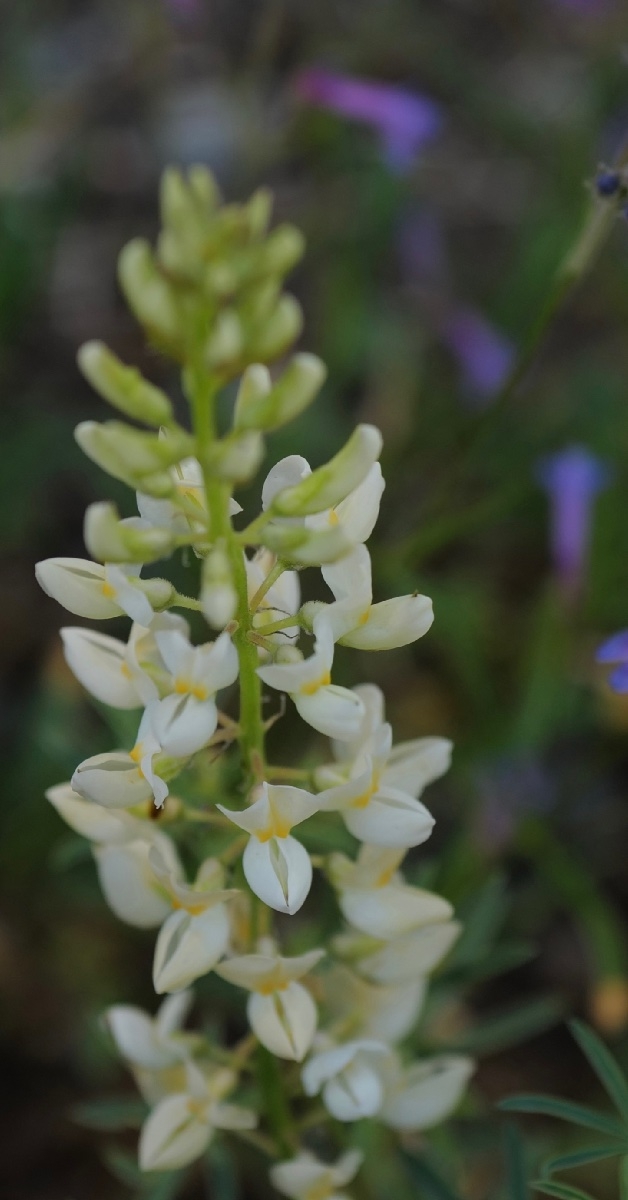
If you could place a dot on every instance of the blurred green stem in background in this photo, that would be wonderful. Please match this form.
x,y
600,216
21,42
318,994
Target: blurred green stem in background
x,y
441,524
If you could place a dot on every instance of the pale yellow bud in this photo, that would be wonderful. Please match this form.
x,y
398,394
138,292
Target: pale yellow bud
x,y
123,386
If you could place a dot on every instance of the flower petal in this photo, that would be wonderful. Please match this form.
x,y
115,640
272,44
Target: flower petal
x,y
390,818
129,885
427,1093
183,724
412,765
285,1021
392,623
79,585
279,871
112,780
188,947
332,710
99,663
172,1136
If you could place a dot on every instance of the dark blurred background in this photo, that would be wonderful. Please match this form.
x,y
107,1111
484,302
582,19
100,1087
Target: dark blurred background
x,y
434,230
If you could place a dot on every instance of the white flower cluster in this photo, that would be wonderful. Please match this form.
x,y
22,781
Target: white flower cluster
x,y
211,298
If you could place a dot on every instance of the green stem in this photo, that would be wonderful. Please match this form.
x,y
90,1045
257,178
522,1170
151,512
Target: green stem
x,y
202,388
274,1103
576,264
265,587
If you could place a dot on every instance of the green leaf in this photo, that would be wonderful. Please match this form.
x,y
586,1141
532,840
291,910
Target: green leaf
x,y
166,1186
580,1157
607,1070
429,1182
515,1163
564,1110
510,1028
109,1115
562,1191
483,919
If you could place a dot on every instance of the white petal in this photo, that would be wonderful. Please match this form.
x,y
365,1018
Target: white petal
x,y
326,1064
112,780
129,885
427,1093
79,585
372,698
99,663
188,947
286,473
359,511
356,1093
232,1116
350,577
410,956
391,1013
391,911
216,663
131,598
279,871
137,1039
172,1012
390,818
89,819
172,1136
184,724
393,623
284,1022
412,765
335,711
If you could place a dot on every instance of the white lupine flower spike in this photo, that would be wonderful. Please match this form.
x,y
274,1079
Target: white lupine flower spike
x,y
210,297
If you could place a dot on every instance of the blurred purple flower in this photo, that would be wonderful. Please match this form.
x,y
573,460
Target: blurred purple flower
x,y
405,121
572,478
422,249
484,355
615,650
184,8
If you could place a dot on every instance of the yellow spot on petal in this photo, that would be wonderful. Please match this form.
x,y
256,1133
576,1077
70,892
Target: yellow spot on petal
x,y
136,753
363,618
333,517
310,689
185,687
125,670
384,879
108,590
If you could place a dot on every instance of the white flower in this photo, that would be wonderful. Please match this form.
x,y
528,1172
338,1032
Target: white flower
x,y
281,600
196,934
184,721
181,1127
348,1077
375,899
154,1043
356,621
104,667
122,845
402,959
277,867
88,589
281,1012
357,513
317,491
121,779
307,1178
154,1048
372,810
333,710
425,1093
386,1013
187,509
286,473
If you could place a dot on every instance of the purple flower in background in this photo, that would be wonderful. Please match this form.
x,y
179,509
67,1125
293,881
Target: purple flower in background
x,y
615,650
484,355
405,121
572,479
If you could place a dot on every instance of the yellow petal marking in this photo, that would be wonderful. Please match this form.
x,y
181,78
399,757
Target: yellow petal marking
x,y
310,689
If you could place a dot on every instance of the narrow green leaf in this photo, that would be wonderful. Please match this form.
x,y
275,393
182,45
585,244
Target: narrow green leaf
x,y
607,1070
623,1178
512,1027
564,1110
562,1191
430,1183
580,1157
515,1163
166,1186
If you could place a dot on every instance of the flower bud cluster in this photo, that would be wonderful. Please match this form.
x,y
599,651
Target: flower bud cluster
x,y
210,296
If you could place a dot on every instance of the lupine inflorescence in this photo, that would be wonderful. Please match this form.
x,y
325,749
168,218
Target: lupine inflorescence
x,y
210,297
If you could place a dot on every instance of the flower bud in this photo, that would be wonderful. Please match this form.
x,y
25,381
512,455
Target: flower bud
x,y
224,346
160,592
329,484
219,599
123,386
258,212
259,408
305,547
109,539
149,295
281,251
237,457
133,456
278,331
